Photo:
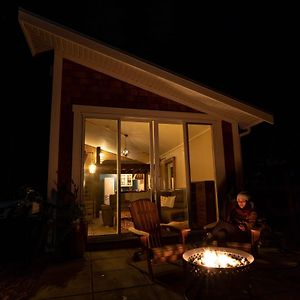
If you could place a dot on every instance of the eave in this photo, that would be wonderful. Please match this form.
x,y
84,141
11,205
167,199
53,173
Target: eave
x,y
43,35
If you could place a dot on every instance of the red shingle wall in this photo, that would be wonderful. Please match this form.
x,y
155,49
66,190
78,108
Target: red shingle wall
x,y
229,157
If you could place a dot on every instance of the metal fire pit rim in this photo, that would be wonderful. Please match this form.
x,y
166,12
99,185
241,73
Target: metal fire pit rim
x,y
188,254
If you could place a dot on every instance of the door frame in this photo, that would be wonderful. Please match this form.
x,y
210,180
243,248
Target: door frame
x,y
121,114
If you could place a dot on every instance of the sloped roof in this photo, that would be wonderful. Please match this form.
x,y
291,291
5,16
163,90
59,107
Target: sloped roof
x,y
43,35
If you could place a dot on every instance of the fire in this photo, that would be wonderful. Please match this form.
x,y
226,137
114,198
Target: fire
x,y
220,259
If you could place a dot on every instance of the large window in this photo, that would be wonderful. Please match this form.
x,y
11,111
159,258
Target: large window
x,y
125,160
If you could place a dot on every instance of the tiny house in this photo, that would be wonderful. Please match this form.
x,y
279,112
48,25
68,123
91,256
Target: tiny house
x,y
123,129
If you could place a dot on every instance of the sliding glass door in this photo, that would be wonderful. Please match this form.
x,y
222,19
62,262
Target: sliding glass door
x,y
126,160
171,186
202,175
100,185
116,172
135,156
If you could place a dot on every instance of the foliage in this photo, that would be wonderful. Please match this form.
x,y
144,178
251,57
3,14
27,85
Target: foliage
x,y
67,202
70,223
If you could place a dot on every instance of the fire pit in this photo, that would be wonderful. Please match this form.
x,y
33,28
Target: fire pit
x,y
215,271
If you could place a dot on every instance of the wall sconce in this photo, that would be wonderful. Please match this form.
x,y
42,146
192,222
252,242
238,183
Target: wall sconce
x,y
92,165
92,168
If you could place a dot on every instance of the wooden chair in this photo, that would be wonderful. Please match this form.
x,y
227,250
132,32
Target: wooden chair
x,y
251,246
147,226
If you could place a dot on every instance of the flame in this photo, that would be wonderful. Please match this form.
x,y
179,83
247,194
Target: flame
x,y
217,259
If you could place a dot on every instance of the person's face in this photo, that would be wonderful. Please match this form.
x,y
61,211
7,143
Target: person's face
x,y
242,201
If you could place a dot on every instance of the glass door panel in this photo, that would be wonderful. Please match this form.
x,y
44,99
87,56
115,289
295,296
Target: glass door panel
x,y
100,182
135,167
171,185
202,174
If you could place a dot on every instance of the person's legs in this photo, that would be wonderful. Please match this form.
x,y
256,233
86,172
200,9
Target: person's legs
x,y
223,232
241,236
221,236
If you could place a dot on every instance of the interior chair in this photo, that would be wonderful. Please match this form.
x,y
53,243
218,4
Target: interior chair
x,y
148,228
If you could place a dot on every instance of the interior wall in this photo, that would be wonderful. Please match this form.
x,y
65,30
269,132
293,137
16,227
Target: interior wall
x,y
203,167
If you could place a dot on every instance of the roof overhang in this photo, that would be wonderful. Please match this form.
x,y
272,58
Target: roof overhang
x,y
43,35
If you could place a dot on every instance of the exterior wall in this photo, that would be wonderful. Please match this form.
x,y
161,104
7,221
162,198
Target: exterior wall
x,y
233,156
229,154
55,124
238,156
230,184
83,86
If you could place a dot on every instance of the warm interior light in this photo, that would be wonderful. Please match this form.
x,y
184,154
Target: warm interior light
x,y
92,165
92,168
102,156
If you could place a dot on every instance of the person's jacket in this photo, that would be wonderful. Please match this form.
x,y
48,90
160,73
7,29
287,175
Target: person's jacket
x,y
245,216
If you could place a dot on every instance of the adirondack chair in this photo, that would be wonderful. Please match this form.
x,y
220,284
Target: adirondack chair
x,y
148,228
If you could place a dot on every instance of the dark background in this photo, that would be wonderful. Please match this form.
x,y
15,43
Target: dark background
x,y
246,51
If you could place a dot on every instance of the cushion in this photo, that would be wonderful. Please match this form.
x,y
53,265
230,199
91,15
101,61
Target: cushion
x,y
171,201
167,201
168,253
163,201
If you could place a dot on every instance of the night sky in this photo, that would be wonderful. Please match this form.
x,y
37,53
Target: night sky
x,y
247,52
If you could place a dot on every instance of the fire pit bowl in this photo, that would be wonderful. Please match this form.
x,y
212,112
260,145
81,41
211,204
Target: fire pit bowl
x,y
216,271
218,260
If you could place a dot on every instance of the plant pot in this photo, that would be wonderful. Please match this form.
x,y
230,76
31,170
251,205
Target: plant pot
x,y
78,239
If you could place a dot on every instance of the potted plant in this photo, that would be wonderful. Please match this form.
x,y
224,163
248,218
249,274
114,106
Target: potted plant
x,y
71,226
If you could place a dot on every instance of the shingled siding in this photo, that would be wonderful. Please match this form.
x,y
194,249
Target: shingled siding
x,y
229,156
83,86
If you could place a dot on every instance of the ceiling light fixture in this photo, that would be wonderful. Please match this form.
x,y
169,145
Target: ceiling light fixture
x,y
125,150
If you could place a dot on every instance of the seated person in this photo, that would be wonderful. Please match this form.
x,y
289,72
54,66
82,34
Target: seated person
x,y
238,224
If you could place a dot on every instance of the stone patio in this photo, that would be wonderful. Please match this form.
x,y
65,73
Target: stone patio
x,y
113,274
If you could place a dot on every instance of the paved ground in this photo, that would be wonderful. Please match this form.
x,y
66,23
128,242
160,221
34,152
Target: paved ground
x,y
112,274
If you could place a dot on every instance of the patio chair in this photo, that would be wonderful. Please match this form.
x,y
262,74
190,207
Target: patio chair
x,y
148,228
250,245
